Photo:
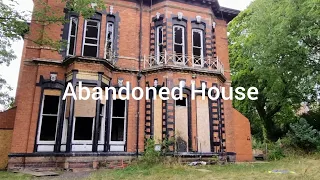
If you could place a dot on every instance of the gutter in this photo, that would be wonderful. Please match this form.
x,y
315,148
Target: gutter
x,y
138,79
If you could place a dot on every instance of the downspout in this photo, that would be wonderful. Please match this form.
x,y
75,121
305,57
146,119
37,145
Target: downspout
x,y
138,79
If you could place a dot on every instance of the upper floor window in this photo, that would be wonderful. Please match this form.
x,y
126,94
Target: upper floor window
x,y
109,40
179,43
72,38
159,43
91,38
197,46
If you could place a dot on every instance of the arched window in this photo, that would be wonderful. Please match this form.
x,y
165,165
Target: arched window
x,y
179,43
197,47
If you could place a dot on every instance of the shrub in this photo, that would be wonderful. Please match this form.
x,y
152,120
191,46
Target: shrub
x,y
275,151
303,135
151,156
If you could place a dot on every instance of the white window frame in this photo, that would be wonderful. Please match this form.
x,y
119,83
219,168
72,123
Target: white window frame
x,y
125,125
39,142
201,47
183,43
112,39
70,35
158,43
85,37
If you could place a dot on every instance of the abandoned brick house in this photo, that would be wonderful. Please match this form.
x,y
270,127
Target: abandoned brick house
x,y
146,43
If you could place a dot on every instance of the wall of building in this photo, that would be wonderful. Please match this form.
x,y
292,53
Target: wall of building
x,y
242,137
28,95
6,129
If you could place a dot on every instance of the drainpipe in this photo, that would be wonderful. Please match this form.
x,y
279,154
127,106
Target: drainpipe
x,y
139,78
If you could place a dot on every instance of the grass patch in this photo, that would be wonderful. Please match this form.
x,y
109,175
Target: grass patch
x,y
14,176
305,168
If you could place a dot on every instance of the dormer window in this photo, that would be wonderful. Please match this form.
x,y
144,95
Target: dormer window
x,y
159,43
72,38
179,43
109,40
197,47
91,38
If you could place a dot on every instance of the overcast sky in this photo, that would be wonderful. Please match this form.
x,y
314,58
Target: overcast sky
x,y
11,73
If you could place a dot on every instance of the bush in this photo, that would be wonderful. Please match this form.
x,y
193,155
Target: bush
x,y
303,135
275,151
151,156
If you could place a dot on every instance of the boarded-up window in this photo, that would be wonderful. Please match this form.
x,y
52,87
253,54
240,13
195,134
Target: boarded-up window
x,y
181,125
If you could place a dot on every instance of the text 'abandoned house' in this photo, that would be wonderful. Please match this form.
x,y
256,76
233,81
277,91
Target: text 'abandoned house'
x,y
160,43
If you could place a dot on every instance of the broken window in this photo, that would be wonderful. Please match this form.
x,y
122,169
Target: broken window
x,y
72,39
181,102
197,46
118,120
49,118
159,43
178,43
83,129
91,38
109,40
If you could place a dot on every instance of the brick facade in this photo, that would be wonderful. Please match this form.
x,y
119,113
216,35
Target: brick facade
x,y
38,62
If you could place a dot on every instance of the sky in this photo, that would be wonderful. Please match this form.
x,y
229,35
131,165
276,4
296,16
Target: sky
x,y
10,74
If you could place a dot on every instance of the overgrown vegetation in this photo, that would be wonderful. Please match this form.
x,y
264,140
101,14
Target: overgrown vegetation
x,y
304,168
274,46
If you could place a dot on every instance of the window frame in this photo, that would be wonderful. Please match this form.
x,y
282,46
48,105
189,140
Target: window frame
x,y
39,141
125,124
112,39
183,44
75,36
201,47
158,43
85,34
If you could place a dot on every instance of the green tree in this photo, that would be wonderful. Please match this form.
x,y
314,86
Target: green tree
x,y
14,26
274,46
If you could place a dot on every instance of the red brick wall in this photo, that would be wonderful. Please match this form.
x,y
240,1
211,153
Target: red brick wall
x,y
7,118
242,137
